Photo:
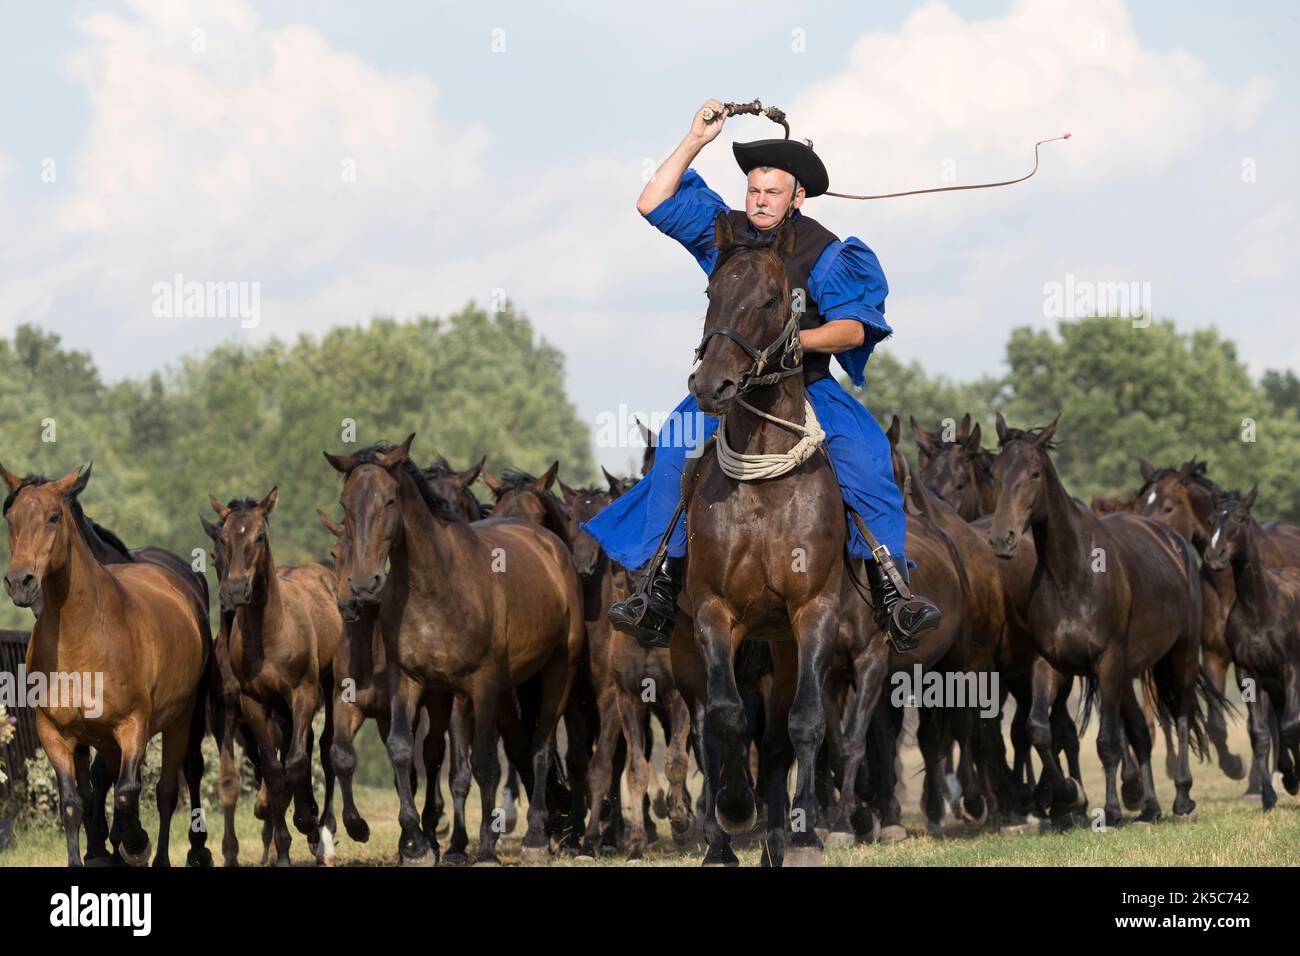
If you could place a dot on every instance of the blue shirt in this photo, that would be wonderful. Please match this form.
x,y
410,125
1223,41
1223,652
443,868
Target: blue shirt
x,y
846,281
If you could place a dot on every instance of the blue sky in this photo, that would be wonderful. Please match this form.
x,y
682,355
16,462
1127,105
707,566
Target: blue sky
x,y
517,170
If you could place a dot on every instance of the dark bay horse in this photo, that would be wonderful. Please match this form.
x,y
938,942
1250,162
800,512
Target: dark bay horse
x,y
1263,632
1185,498
1114,597
740,580
473,608
283,639
142,628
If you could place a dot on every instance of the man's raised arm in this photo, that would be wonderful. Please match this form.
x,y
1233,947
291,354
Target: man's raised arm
x,y
668,176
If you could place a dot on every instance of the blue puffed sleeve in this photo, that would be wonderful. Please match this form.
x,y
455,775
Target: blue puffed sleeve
x,y
847,282
688,216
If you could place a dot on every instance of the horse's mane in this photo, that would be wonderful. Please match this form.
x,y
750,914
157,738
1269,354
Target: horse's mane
x,y
1024,434
242,504
982,458
440,468
1196,477
557,517
744,241
439,506
90,530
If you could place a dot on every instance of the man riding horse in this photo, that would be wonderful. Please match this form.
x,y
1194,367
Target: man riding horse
x,y
840,289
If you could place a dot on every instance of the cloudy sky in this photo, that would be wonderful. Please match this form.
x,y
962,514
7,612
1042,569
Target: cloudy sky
x,y
401,157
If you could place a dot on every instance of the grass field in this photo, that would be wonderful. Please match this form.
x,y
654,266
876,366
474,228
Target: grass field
x,y
1231,831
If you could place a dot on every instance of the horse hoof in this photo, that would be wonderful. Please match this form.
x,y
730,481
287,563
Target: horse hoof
x,y
836,840
1080,797
1013,829
934,828
487,861
535,856
358,829
971,818
1190,817
804,856
427,858
720,855
97,861
455,858
892,834
733,829
1233,767
199,857
137,859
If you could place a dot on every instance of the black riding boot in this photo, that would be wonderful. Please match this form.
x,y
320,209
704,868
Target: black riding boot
x,y
901,621
649,615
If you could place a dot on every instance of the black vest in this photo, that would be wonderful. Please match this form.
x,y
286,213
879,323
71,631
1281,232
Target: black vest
x,y
810,239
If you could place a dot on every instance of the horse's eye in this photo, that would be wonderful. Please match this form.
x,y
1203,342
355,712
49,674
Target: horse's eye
x,y
261,538
55,516
1035,474
1168,508
390,502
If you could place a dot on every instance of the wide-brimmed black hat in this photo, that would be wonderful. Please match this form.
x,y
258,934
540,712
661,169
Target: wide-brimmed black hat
x,y
788,154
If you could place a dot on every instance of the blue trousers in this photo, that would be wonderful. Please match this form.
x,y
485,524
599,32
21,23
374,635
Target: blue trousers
x,y
629,529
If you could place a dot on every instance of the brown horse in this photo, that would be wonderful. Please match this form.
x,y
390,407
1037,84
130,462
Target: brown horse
x,y
142,629
631,682
1185,498
283,639
476,609
740,580
1114,597
958,469
1263,632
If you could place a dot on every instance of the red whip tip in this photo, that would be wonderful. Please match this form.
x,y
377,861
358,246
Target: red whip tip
x,y
1066,136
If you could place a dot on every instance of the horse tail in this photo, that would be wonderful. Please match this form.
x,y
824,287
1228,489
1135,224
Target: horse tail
x,y
1087,702
753,660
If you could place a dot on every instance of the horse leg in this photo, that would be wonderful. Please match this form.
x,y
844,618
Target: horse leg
x,y
1139,739
92,786
1261,739
490,703
461,725
778,755
1214,664
931,739
557,676
297,769
677,766
438,712
347,719
577,760
198,855
1289,728
1057,796
632,713
724,718
869,680
266,732
59,750
174,747
600,772
228,782
1112,689
327,821
412,848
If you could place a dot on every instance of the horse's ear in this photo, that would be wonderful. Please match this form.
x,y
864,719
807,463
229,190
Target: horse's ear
x,y
491,480
544,483
268,503
211,530
723,234
924,440
895,428
75,481
646,434
569,494
470,475
1187,470
396,455
12,481
963,429
1144,466
973,440
1001,425
218,507
1250,496
329,523
340,463
613,483
1048,431
785,240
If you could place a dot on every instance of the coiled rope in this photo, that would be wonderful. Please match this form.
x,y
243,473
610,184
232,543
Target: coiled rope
x,y
745,467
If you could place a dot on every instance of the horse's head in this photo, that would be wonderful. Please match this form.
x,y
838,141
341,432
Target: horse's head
x,y
1020,476
746,329
1179,497
950,467
454,486
584,504
40,527
372,522
520,495
242,541
1230,529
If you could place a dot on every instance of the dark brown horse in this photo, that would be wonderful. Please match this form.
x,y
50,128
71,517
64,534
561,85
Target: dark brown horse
x,y
1184,498
957,468
283,639
476,609
741,582
1263,632
138,625
1114,597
